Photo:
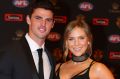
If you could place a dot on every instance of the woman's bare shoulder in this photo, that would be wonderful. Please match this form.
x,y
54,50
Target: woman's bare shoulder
x,y
101,71
57,66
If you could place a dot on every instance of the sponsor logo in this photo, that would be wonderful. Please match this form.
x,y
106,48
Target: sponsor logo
x,y
114,38
98,54
54,36
115,8
100,21
85,6
19,33
13,17
60,19
20,3
114,55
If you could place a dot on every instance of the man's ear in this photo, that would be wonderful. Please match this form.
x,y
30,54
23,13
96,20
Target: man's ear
x,y
53,23
28,19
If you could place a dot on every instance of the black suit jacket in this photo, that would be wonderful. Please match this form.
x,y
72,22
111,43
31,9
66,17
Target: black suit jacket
x,y
16,62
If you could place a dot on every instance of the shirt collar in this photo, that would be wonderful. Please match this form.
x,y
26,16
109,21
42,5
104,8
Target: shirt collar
x,y
33,45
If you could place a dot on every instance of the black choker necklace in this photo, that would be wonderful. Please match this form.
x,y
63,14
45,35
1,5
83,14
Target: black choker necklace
x,y
80,58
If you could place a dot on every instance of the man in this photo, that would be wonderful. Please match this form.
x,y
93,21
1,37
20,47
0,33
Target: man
x,y
19,60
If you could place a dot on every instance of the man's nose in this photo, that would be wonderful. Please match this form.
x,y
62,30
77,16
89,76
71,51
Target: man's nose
x,y
43,22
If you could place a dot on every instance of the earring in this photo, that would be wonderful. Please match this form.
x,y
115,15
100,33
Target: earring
x,y
88,43
70,55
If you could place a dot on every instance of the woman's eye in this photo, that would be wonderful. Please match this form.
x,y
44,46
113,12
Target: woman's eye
x,y
70,38
82,37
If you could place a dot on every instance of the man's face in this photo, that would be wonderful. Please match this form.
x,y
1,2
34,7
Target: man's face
x,y
40,23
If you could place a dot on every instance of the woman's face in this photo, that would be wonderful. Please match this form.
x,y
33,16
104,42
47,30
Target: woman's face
x,y
77,41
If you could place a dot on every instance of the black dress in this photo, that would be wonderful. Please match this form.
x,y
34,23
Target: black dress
x,y
78,76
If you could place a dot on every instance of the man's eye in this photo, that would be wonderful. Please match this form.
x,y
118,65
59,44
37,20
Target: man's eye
x,y
38,17
50,20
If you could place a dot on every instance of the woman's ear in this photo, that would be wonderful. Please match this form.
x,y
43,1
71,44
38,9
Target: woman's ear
x,y
66,44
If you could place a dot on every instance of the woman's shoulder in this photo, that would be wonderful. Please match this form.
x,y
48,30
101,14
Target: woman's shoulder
x,y
100,71
98,66
58,66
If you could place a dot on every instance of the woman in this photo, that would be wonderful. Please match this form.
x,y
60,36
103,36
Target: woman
x,y
78,43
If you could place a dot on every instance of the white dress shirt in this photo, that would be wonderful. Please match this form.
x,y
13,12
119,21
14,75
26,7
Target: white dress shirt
x,y
46,63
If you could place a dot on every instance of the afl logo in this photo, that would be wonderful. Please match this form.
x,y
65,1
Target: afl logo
x,y
114,39
85,6
54,36
21,3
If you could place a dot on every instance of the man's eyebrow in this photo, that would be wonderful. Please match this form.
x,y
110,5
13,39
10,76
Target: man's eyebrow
x,y
38,16
43,17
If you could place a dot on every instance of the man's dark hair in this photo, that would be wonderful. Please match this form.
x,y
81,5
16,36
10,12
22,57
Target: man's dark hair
x,y
46,4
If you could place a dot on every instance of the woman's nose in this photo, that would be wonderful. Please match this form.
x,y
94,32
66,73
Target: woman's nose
x,y
76,42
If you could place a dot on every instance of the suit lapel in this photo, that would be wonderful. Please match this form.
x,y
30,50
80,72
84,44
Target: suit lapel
x,y
29,57
51,63
30,60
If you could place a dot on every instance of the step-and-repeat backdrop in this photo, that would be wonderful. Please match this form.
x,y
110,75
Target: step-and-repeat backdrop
x,y
103,16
